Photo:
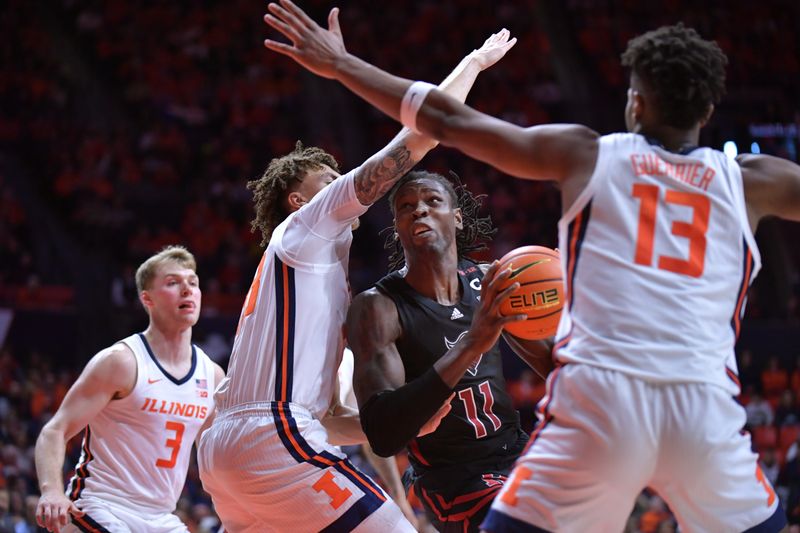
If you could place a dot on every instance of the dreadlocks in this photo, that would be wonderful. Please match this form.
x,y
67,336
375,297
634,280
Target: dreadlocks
x,y
685,72
269,189
473,237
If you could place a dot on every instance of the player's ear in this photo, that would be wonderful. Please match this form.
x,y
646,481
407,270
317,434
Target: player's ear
x,y
707,116
295,201
638,103
459,218
147,301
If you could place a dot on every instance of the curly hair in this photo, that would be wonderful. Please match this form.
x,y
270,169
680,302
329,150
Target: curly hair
x,y
269,189
685,72
477,230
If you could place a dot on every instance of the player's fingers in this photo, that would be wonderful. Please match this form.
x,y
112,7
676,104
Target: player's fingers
x,y
281,48
333,22
507,46
504,295
40,515
489,276
298,13
282,27
75,511
47,517
63,517
286,16
508,291
513,318
500,278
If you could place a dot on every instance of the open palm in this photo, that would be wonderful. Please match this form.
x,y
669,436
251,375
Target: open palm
x,y
494,48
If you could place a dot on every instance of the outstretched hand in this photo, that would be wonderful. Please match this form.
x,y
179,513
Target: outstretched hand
x,y
314,47
493,49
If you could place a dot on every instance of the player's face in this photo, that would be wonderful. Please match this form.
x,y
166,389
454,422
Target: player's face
x,y
424,215
316,180
174,295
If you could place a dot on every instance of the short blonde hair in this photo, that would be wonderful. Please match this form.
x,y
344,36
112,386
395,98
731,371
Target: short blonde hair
x,y
175,253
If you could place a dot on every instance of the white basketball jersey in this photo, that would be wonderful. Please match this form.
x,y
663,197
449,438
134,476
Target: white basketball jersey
x,y
657,255
289,341
135,452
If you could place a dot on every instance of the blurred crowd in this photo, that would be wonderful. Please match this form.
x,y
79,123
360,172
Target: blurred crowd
x,y
129,126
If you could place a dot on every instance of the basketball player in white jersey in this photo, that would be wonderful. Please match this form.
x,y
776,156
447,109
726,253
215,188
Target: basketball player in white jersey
x,y
142,402
267,459
658,252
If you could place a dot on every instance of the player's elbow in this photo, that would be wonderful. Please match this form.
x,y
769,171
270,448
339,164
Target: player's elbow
x,y
383,447
385,437
443,126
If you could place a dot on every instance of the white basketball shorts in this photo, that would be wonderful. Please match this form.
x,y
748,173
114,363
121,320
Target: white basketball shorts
x,y
605,436
106,517
268,467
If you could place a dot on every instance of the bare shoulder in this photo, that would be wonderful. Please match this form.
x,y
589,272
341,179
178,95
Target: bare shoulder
x,y
373,314
113,367
219,373
116,358
373,304
771,186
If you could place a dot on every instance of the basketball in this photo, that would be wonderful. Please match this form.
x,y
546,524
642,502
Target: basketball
x,y
541,292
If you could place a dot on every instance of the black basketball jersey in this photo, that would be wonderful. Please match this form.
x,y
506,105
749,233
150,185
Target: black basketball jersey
x,y
482,421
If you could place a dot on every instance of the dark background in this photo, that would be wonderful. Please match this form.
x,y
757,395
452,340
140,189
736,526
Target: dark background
x,y
126,126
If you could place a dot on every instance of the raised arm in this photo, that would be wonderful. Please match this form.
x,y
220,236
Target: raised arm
x,y
771,187
553,152
377,175
110,374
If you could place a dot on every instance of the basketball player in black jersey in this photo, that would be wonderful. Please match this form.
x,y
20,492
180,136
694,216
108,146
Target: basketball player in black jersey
x,y
429,330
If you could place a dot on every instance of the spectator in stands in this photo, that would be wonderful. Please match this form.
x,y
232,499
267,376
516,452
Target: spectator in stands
x,y
768,462
774,379
787,413
759,411
748,373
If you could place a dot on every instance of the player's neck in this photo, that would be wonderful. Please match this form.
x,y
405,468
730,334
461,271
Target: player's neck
x,y
436,279
672,139
170,345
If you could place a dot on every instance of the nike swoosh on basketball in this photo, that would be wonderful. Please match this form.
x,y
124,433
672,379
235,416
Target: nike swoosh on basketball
x,y
517,271
151,381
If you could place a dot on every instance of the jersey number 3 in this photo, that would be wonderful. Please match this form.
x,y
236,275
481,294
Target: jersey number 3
x,y
174,443
694,231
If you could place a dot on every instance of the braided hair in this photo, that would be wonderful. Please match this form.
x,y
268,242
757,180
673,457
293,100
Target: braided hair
x,y
685,72
269,190
477,230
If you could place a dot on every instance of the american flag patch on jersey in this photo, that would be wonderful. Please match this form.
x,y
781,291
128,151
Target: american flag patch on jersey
x,y
201,383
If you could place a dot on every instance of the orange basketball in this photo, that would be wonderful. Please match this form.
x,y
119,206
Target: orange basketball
x,y
541,292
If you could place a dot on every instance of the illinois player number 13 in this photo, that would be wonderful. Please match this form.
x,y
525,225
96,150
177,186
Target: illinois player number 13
x,y
694,231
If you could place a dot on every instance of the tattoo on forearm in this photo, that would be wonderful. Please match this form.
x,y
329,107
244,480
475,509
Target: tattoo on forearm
x,y
376,177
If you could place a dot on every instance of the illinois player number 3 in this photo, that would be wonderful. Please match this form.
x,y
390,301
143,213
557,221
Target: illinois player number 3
x,y
174,443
